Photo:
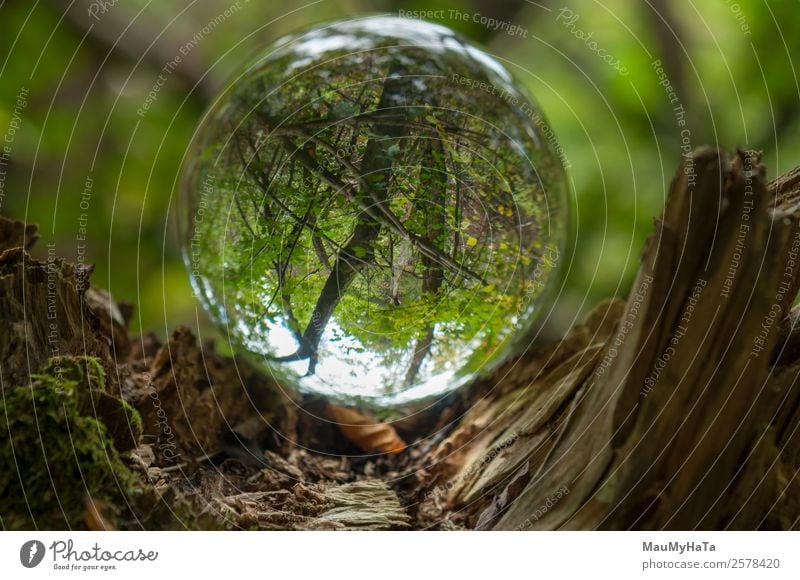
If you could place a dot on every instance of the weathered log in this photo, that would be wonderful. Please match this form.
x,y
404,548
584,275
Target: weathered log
x,y
675,409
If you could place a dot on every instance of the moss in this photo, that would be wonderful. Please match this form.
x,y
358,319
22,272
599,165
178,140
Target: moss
x,y
76,370
54,453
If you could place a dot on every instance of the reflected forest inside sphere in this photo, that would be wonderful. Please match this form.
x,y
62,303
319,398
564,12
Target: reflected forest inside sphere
x,y
373,209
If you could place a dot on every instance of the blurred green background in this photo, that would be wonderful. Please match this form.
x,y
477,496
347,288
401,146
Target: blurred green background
x,y
76,78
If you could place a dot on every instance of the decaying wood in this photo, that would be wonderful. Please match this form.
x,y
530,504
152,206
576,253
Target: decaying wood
x,y
359,505
678,408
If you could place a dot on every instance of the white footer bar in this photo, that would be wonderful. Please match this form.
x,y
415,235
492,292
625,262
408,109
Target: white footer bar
x,y
401,555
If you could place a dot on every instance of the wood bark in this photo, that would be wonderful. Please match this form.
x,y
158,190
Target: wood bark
x,y
677,408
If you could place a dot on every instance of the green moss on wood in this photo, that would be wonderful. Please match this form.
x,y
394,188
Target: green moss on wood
x,y
55,453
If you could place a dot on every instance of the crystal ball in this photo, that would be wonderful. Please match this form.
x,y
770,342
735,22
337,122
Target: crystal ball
x,y
374,210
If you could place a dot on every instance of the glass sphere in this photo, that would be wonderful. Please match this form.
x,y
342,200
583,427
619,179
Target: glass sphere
x,y
373,209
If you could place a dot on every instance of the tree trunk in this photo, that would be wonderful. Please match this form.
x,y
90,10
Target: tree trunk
x,y
675,409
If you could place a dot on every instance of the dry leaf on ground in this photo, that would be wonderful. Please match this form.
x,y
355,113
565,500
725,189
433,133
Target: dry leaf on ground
x,y
365,432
